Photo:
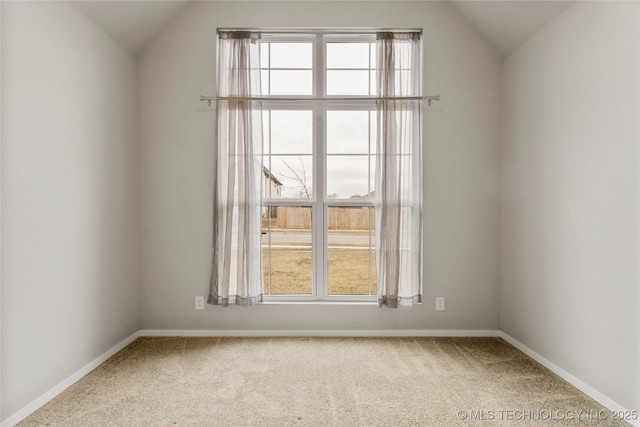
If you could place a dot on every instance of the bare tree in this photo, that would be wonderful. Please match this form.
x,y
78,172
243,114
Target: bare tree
x,y
300,175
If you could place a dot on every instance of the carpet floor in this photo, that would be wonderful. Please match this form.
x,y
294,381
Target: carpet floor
x,y
320,382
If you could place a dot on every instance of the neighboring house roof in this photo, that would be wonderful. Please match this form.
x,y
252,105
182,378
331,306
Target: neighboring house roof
x,y
269,175
371,195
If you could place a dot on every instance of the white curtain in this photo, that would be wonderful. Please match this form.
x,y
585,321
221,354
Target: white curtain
x,y
399,170
236,268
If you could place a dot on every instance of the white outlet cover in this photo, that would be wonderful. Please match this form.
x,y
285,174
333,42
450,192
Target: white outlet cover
x,y
199,303
439,303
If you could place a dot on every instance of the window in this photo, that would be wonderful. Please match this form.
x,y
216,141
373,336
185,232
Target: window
x,y
318,217
317,162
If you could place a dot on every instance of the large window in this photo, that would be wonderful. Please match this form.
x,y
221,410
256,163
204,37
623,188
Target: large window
x,y
312,177
319,160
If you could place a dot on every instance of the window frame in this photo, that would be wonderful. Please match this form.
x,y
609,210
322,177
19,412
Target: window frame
x,y
320,205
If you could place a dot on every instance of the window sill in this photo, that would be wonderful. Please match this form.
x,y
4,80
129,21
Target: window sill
x,y
362,303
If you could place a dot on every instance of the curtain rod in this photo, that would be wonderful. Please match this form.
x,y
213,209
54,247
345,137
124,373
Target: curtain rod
x,y
428,98
321,30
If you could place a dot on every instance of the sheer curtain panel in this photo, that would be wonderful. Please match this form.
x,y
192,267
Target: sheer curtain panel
x,y
399,170
236,267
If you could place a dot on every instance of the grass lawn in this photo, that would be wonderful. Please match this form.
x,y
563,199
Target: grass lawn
x,y
291,272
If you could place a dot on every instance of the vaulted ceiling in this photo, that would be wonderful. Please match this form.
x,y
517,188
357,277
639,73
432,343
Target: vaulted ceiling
x,y
504,24
134,23
508,24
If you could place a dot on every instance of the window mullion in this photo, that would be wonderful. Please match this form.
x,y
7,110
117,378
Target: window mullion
x,y
320,246
321,210
319,68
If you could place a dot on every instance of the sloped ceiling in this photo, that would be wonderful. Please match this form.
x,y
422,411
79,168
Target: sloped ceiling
x,y
508,24
134,23
504,24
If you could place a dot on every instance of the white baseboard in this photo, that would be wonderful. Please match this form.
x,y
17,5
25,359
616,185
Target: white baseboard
x,y
318,333
67,382
577,383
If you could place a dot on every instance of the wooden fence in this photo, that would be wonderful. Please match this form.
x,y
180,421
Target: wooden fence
x,y
340,218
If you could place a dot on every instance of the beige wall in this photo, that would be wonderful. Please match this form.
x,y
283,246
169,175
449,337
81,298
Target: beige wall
x,y
570,186
461,158
70,217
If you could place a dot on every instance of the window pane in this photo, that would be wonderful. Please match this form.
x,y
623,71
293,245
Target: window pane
x,y
264,81
351,273
291,55
264,55
348,132
345,222
266,123
271,185
286,82
372,176
347,82
373,127
351,251
293,175
347,55
348,177
373,83
286,250
288,273
373,63
291,132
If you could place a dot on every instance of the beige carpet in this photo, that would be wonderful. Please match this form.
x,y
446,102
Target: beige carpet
x,y
320,382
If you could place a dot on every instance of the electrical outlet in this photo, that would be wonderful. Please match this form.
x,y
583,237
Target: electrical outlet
x,y
199,303
439,303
